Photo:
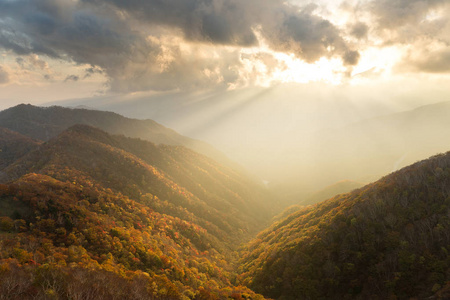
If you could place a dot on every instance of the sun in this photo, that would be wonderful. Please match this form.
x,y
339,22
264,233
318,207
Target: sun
x,y
328,70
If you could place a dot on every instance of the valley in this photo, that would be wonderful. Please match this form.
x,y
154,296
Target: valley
x,y
224,150
89,214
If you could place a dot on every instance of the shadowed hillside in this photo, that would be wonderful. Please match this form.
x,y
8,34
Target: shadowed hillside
x,y
13,145
389,239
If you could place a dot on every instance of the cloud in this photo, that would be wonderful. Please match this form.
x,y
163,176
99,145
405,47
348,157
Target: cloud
x,y
91,71
406,21
392,14
308,36
4,76
150,44
437,61
37,62
233,22
32,61
359,30
72,78
351,58
219,22
420,27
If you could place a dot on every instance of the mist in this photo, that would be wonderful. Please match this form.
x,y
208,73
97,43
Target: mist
x,y
297,138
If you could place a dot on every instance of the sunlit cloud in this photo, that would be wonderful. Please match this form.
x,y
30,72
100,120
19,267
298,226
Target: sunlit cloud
x,y
126,47
153,45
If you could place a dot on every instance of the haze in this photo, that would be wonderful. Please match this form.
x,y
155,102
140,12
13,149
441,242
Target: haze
x,y
301,93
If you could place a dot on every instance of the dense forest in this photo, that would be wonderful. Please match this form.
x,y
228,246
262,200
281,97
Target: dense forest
x,y
88,215
14,145
387,240
85,214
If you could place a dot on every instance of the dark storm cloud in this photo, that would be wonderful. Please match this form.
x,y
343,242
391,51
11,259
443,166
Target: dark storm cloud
x,y
304,34
286,27
216,21
113,36
64,30
4,77
38,27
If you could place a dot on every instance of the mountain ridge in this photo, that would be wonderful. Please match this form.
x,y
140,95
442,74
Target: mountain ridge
x,y
367,150
43,123
97,149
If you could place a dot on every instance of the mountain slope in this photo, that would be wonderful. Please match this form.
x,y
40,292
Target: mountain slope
x,y
90,205
13,146
389,239
44,123
135,168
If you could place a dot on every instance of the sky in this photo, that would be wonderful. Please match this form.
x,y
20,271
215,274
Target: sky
x,y
63,49
236,73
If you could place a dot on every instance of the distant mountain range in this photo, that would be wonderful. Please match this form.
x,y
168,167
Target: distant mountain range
x,y
44,123
366,150
391,142
299,145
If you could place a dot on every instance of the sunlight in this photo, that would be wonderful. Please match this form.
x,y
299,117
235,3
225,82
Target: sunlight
x,y
325,70
376,61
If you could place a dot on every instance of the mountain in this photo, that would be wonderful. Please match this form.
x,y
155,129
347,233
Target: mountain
x,y
44,123
13,146
135,167
340,187
306,197
89,215
363,151
387,240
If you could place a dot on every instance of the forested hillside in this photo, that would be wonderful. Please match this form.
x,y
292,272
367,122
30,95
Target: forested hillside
x,y
13,145
388,240
88,215
44,123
